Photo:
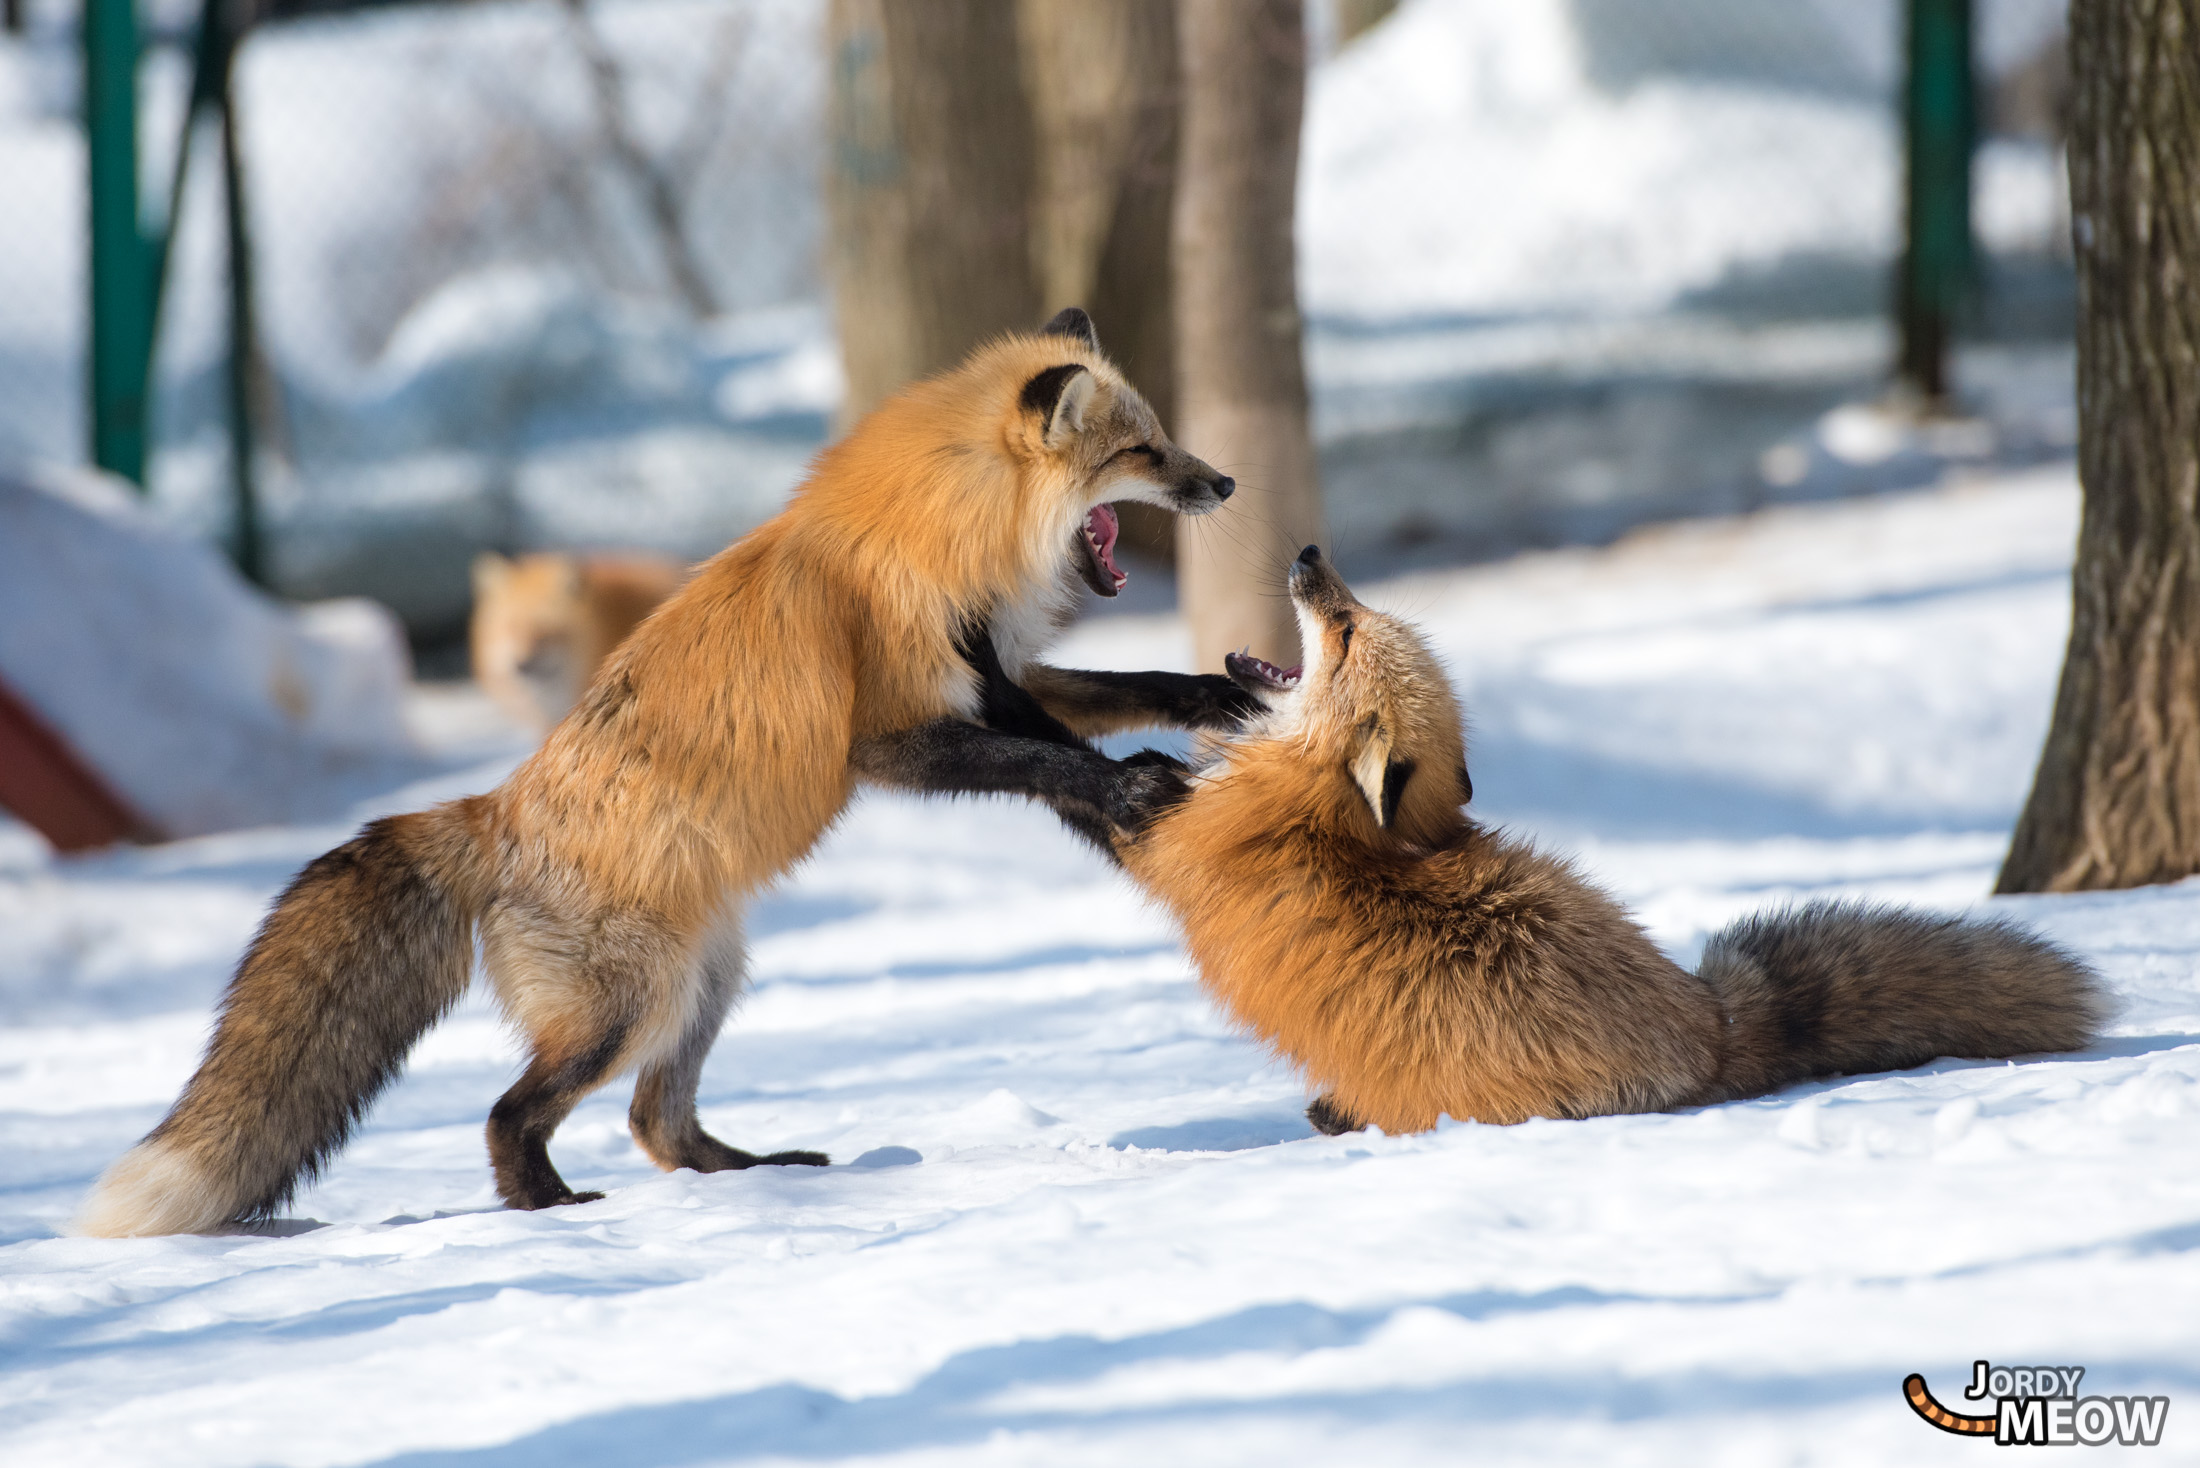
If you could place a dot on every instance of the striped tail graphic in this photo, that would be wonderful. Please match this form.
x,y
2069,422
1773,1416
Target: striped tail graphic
x,y
1913,1387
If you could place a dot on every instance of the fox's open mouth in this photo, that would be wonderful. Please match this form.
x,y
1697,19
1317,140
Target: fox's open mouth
x,y
1096,539
1258,673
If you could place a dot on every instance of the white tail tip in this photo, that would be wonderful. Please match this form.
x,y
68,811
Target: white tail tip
x,y
153,1188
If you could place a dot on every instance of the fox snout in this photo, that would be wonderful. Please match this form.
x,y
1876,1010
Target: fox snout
x,y
1323,600
1316,587
1194,486
546,659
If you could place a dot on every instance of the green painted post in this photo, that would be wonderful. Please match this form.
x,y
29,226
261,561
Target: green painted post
x,y
247,547
1939,125
125,263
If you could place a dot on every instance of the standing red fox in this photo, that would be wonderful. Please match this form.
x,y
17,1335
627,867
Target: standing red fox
x,y
606,877
1414,964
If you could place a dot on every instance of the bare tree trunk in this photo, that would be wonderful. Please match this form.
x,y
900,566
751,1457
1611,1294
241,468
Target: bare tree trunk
x,y
1241,383
929,182
2116,802
1102,79
661,195
1355,18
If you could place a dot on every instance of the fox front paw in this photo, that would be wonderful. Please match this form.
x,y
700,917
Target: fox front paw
x,y
1151,783
1222,704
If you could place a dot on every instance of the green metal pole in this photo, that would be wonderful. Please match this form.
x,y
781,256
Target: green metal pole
x,y
1939,124
243,339
124,262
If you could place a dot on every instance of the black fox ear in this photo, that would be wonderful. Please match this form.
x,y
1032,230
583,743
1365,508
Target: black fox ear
x,y
1395,775
1060,396
1071,321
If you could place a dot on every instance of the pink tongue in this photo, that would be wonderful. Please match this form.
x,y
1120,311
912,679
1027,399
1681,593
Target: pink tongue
x,y
1102,524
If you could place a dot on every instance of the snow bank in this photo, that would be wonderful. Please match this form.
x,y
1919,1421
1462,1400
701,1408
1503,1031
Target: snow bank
x,y
205,705
1471,158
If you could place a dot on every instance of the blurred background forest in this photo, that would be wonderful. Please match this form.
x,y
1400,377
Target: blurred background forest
x,y
561,273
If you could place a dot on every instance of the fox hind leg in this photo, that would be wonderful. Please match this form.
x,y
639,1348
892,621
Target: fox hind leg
x,y
521,1122
663,1114
591,992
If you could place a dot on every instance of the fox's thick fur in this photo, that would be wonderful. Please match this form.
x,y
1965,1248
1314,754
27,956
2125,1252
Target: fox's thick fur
x,y
606,878
1415,964
544,623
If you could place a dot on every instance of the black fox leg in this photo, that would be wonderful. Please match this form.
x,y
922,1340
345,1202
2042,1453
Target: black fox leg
x,y
1101,703
1331,1119
1003,703
663,1114
521,1122
1068,704
1095,796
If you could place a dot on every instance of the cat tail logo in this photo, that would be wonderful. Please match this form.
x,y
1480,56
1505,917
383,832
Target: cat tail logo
x,y
2039,1406
1921,1400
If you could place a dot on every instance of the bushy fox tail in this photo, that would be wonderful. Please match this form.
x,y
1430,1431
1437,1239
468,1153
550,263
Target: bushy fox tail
x,y
1842,988
368,947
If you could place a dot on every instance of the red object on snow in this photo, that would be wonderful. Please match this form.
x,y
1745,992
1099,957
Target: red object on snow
x,y
44,783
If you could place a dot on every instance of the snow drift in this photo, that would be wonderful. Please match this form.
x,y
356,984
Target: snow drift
x,y
203,703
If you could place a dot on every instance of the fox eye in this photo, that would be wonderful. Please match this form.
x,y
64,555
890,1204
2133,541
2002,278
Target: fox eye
x,y
1151,454
1344,644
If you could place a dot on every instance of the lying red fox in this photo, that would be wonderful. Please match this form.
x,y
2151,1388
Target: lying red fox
x,y
1414,964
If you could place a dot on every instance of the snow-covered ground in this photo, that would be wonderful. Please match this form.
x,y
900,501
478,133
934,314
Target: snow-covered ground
x,y
1082,1220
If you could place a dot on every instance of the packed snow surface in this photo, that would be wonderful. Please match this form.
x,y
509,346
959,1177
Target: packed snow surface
x,y
1080,1220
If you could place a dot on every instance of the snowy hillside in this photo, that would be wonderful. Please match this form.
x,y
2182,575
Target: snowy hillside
x,y
1083,1222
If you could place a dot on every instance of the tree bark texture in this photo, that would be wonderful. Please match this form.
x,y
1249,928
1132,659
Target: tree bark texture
x,y
2116,801
1242,402
930,178
1355,18
1102,79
